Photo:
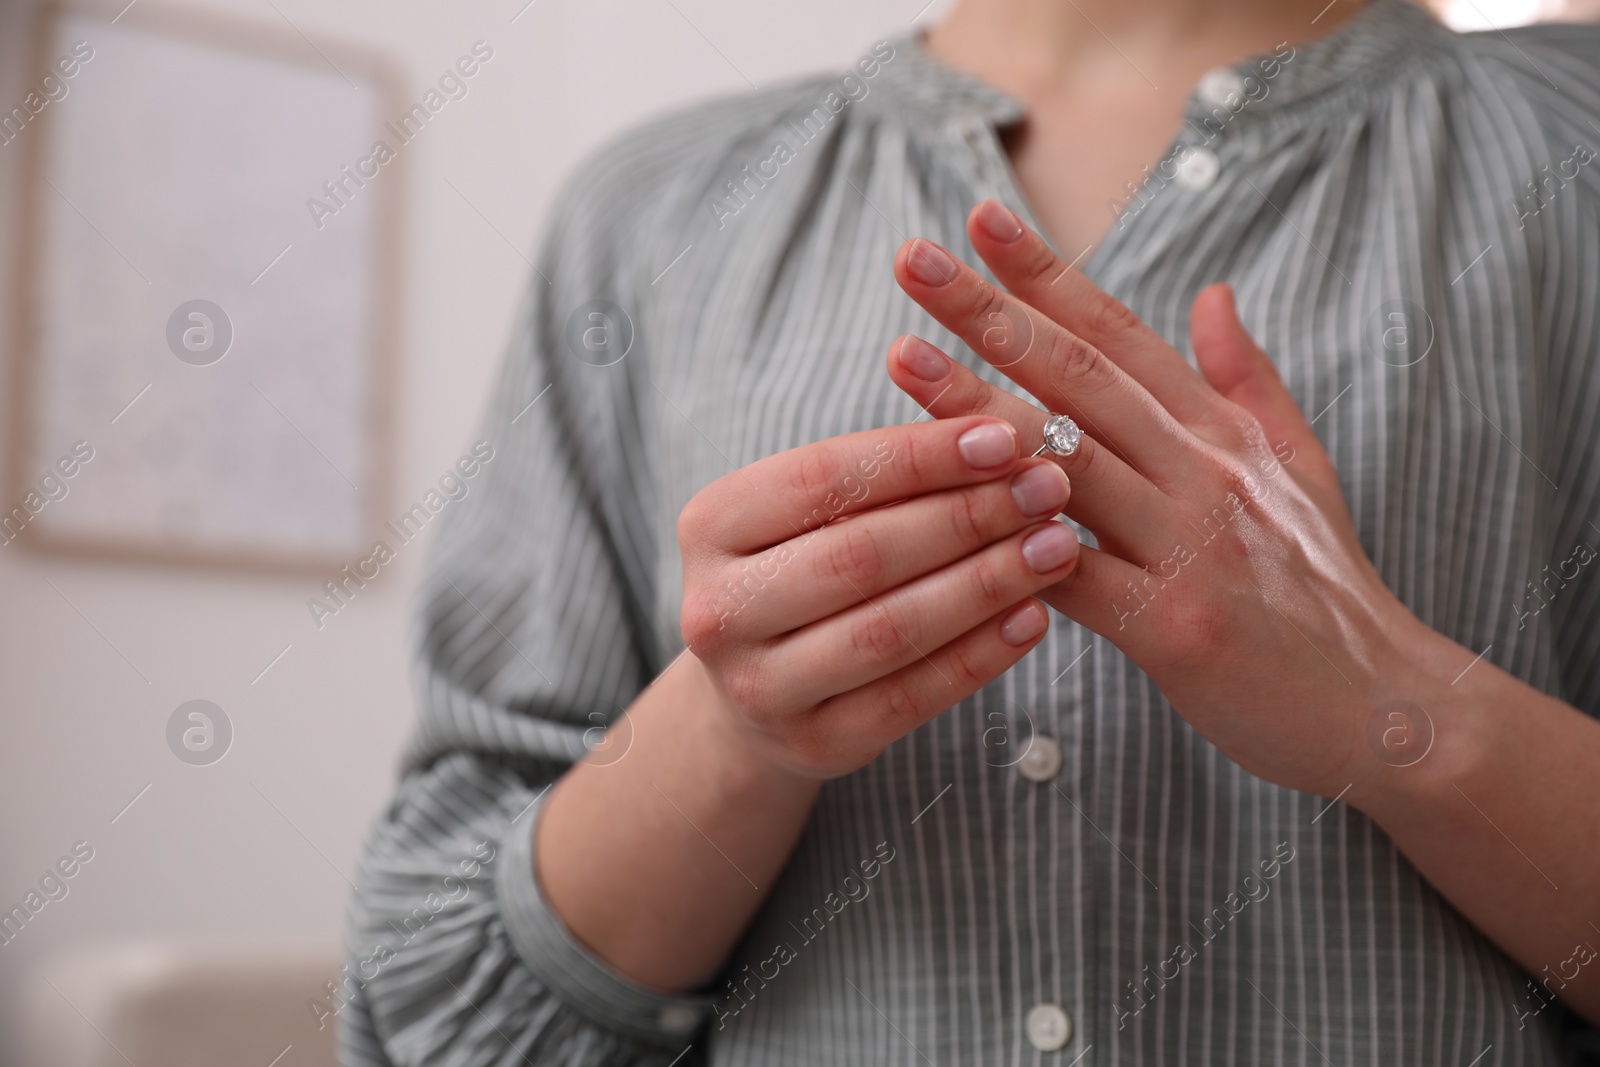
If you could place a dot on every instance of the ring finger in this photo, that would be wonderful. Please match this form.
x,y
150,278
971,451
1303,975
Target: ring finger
x,y
1110,498
1055,365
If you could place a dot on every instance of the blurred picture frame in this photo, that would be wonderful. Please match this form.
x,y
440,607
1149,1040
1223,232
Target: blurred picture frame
x,y
208,291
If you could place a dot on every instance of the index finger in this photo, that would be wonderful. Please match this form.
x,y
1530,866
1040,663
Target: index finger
x,y
1028,267
1065,372
793,493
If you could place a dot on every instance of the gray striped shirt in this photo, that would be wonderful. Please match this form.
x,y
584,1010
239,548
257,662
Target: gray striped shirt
x,y
1409,218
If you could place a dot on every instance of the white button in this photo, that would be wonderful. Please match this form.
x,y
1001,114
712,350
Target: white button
x,y
972,132
679,1019
977,136
1042,760
1049,1028
1218,86
1197,170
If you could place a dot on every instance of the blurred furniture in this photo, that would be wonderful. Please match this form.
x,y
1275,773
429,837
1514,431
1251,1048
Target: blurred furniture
x,y
173,1006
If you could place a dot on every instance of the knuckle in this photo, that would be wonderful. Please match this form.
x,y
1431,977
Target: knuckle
x,y
1237,428
1254,443
853,554
747,689
984,301
999,328
814,475
1200,632
704,628
969,394
987,580
1109,317
1238,484
1038,265
969,518
901,706
966,666
1076,366
694,521
926,452
875,638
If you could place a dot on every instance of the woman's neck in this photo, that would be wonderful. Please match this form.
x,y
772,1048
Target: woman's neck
x,y
1104,83
1039,47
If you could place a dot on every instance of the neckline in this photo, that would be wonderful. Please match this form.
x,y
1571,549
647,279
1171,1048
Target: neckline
x,y
1362,52
1356,57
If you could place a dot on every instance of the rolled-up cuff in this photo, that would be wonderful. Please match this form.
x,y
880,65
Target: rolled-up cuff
x,y
570,970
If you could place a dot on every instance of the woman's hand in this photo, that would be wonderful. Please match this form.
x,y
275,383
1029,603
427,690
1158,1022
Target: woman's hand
x,y
842,594
1227,566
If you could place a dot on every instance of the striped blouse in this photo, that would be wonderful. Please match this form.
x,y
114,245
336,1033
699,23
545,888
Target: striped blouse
x,y
1059,870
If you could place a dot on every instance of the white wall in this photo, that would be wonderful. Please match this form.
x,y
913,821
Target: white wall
x,y
204,855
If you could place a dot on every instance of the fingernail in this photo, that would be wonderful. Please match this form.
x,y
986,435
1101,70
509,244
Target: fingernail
x,y
988,445
1023,625
920,358
930,264
1040,490
1050,548
999,221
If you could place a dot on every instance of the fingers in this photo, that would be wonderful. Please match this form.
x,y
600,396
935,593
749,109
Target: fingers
x,y
871,717
905,624
1065,372
796,492
1025,265
1241,372
1118,600
842,564
1122,508
1101,592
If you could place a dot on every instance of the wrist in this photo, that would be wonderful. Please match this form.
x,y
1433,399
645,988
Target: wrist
x,y
1430,736
750,760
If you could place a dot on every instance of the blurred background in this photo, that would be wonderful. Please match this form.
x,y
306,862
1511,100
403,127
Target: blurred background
x,y
240,340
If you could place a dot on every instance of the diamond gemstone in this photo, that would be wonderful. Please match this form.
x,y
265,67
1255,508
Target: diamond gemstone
x,y
1061,435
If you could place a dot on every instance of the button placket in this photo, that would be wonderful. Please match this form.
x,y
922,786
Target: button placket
x,y
976,137
1221,89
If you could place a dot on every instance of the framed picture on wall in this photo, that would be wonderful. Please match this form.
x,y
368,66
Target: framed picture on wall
x,y
209,265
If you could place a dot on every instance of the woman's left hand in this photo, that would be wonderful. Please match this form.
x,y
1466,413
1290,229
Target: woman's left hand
x,y
1228,568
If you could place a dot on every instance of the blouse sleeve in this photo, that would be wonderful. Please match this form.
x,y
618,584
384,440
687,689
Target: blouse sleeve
x,y
1557,77
531,635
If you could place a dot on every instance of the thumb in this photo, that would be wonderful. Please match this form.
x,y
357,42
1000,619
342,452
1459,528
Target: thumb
x,y
1237,368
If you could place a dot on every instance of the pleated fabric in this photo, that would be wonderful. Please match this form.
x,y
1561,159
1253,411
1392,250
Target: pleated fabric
x,y
1175,908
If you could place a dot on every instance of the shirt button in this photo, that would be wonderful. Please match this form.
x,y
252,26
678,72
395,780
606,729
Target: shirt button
x,y
1218,86
1049,1028
1197,170
1042,760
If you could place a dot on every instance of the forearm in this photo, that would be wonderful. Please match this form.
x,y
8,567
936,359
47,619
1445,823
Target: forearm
x,y
658,852
817,642
1502,816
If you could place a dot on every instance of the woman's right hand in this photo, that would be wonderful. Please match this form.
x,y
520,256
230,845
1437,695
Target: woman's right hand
x,y
843,593
836,597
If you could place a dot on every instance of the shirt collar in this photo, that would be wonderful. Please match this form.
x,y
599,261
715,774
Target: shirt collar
x,y
1367,48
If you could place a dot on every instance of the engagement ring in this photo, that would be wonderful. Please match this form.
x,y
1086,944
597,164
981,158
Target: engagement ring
x,y
1061,436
